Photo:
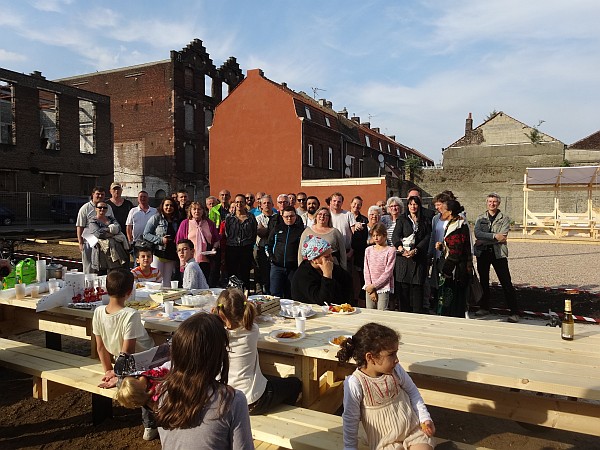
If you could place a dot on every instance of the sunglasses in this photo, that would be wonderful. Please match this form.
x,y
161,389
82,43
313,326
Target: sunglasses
x,y
249,198
301,199
101,207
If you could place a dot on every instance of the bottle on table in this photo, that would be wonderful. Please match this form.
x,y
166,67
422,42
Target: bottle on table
x,y
567,330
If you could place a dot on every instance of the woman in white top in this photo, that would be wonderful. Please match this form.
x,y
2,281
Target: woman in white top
x,y
262,393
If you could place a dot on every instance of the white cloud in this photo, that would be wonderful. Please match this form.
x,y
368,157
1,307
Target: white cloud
x,y
11,57
51,5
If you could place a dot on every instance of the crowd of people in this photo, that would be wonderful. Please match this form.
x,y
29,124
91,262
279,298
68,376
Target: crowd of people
x,y
401,256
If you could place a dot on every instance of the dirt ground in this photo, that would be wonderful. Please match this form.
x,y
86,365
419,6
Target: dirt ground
x,y
26,423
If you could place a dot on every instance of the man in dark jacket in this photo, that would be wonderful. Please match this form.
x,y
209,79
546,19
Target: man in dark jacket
x,y
318,279
282,245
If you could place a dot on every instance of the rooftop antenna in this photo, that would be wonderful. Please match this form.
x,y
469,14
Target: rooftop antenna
x,y
315,90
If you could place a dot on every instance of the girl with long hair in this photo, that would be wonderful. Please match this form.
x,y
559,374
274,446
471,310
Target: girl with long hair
x,y
262,393
197,409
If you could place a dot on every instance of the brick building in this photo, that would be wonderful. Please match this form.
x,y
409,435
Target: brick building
x,y
54,139
161,111
268,137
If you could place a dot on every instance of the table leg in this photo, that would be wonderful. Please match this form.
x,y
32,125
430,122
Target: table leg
x,y
53,341
101,408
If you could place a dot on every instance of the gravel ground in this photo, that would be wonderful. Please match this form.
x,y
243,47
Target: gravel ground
x,y
557,264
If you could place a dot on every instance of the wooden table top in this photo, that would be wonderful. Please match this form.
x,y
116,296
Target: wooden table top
x,y
520,356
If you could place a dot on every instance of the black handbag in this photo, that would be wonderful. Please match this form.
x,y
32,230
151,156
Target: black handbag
x,y
135,363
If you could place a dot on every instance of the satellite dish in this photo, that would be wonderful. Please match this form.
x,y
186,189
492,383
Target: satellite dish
x,y
382,164
380,158
347,172
348,160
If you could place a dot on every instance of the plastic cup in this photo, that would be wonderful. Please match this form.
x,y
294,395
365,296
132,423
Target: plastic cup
x,y
20,290
52,285
35,291
300,324
169,307
174,284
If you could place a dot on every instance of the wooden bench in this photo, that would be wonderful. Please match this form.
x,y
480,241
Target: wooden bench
x,y
55,373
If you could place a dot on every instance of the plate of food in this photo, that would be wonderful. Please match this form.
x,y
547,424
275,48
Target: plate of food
x,y
343,309
286,335
142,305
336,341
308,312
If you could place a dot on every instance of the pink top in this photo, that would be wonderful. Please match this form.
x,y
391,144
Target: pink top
x,y
379,268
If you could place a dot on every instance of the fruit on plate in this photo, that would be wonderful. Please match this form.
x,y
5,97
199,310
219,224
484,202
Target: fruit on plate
x,y
344,308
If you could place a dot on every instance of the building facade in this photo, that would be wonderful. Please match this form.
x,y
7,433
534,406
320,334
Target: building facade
x,y
268,137
54,139
162,111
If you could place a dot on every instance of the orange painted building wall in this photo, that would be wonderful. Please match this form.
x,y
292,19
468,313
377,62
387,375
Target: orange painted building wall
x,y
256,140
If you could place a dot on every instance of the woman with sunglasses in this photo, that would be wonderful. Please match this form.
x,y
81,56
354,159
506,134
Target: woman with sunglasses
x,y
111,250
160,231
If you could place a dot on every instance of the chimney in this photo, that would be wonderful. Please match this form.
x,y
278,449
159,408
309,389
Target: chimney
x,y
329,104
376,130
366,124
255,72
392,137
355,119
344,112
37,74
284,84
322,102
469,125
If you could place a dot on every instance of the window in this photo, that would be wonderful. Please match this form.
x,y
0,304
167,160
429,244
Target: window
x,y
86,184
50,182
48,105
360,167
224,90
188,158
311,155
389,148
367,140
330,158
7,106
8,180
87,128
398,151
327,121
208,120
189,117
307,112
380,147
188,78
207,86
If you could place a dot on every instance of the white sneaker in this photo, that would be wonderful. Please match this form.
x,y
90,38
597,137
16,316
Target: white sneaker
x,y
513,318
150,434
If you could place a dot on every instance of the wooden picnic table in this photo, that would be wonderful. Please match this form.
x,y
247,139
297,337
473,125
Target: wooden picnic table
x,y
514,371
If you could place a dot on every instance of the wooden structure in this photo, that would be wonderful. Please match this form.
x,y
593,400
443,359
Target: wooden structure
x,y
555,221
511,371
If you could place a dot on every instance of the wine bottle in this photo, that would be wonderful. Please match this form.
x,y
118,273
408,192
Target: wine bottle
x,y
567,330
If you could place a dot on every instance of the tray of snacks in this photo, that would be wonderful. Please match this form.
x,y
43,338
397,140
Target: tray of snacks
x,y
343,309
265,303
286,335
167,294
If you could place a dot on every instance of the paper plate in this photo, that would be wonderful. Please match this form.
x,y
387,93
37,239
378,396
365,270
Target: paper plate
x,y
342,313
273,335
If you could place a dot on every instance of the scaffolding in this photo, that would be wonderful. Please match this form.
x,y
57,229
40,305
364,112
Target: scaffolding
x,y
559,222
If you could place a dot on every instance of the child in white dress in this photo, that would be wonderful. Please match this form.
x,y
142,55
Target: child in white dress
x,y
381,395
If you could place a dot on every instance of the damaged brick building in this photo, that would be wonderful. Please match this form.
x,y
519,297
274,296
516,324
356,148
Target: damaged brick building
x,y
161,113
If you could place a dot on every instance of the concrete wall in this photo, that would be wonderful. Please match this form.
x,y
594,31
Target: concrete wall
x,y
579,157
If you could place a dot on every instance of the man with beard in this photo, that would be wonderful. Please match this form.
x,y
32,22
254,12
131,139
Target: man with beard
x,y
312,205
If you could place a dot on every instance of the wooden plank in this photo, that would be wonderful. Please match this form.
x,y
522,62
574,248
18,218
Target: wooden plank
x,y
51,390
580,417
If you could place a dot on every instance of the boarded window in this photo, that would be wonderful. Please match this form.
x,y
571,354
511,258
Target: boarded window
x,y
8,180
86,184
188,158
189,117
50,182
87,127
188,79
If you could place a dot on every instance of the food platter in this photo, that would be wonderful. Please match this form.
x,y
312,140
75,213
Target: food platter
x,y
142,305
343,310
336,341
276,333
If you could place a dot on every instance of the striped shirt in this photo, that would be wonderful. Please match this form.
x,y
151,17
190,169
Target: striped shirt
x,y
140,277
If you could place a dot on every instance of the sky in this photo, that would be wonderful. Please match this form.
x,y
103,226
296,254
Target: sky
x,y
415,69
